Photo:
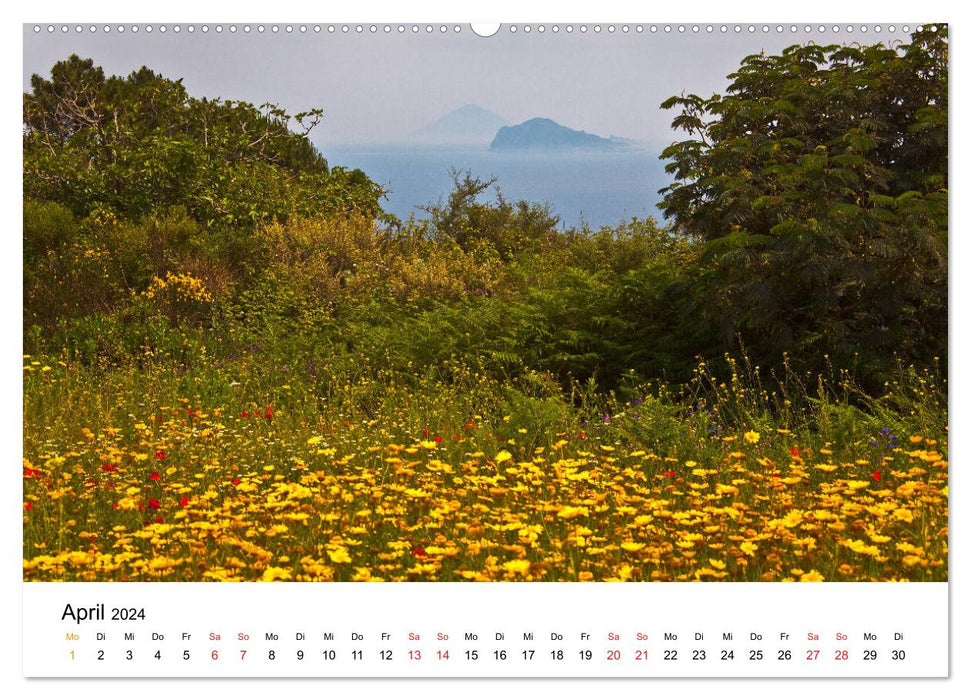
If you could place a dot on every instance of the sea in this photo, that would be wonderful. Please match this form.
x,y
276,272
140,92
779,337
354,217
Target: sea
x,y
583,189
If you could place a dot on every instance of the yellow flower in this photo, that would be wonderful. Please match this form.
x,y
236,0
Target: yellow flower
x,y
749,548
362,573
752,437
904,514
517,566
503,456
861,547
275,573
338,555
812,576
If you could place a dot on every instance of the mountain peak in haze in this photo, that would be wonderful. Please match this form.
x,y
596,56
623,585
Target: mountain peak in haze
x,y
541,134
469,124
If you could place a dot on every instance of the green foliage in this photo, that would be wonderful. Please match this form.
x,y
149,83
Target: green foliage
x,y
48,226
140,144
205,244
505,226
818,186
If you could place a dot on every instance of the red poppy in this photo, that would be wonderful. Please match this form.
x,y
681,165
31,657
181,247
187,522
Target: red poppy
x,y
456,437
30,473
424,432
28,505
669,474
418,551
876,475
268,414
183,501
154,476
794,451
244,414
109,467
237,481
154,504
438,439
158,519
583,436
190,412
160,454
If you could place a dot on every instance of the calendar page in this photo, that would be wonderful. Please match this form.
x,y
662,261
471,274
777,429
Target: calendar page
x,y
542,349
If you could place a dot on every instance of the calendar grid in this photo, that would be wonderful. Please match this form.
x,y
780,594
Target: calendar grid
x,y
512,630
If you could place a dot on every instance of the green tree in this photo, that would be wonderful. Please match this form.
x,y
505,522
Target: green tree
x,y
508,227
818,187
139,144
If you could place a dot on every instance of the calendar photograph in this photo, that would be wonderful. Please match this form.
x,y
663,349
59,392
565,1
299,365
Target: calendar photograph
x,y
528,303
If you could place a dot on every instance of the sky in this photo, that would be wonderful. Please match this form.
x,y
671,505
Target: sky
x,y
379,87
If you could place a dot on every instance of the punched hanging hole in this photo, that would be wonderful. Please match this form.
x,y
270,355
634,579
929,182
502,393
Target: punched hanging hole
x,y
485,29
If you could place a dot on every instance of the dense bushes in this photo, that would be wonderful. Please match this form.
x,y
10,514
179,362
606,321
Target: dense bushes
x,y
807,243
573,305
617,303
137,145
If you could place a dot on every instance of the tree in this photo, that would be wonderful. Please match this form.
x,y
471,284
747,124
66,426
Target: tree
x,y
507,227
818,187
140,144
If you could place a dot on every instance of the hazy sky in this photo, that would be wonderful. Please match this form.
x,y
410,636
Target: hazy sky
x,y
379,87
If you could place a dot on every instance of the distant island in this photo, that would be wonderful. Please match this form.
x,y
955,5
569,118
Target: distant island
x,y
469,124
542,134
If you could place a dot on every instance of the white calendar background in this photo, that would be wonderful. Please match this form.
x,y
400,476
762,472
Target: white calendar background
x,y
486,630
44,643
